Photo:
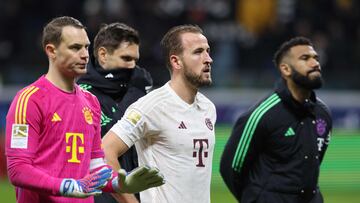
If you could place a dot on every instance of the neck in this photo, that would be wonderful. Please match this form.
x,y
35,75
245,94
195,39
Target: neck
x,y
299,94
64,83
184,89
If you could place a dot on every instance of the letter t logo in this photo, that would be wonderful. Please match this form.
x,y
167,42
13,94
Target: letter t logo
x,y
202,150
74,146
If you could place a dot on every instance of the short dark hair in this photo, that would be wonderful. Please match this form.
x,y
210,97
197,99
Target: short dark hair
x,y
286,46
53,30
171,42
110,36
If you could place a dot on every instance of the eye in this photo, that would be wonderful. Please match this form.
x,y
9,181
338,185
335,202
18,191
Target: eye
x,y
304,57
317,58
75,47
198,51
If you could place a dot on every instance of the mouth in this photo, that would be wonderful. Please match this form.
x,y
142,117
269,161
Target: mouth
x,y
82,65
315,69
207,70
314,74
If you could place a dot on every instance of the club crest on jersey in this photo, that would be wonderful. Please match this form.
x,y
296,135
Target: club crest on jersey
x,y
88,115
133,117
320,126
209,124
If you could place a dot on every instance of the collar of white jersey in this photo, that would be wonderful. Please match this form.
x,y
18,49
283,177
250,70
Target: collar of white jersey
x,y
177,97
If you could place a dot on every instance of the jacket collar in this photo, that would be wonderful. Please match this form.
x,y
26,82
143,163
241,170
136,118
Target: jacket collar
x,y
301,109
110,82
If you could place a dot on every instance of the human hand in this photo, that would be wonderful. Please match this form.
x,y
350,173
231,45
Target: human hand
x,y
88,186
139,179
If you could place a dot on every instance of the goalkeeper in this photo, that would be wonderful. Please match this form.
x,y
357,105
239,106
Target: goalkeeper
x,y
53,144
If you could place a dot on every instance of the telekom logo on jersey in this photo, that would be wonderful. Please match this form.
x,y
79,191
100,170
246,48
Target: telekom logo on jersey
x,y
200,147
74,148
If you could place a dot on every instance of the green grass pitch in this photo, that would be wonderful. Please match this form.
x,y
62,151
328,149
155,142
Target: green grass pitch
x,y
339,179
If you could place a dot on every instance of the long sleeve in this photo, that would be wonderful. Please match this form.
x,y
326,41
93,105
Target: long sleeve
x,y
229,175
240,154
23,174
22,139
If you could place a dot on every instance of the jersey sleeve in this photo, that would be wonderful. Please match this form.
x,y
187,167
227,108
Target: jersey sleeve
x,y
97,151
23,124
136,124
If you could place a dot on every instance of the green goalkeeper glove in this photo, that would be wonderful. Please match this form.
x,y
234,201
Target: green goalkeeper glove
x,y
137,180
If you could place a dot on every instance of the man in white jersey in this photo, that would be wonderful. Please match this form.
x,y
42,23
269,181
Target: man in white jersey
x,y
173,127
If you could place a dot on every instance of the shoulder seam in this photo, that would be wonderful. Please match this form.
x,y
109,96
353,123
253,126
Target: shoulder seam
x,y
21,104
150,101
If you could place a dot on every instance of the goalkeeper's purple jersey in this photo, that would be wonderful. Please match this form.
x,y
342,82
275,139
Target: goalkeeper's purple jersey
x,y
56,132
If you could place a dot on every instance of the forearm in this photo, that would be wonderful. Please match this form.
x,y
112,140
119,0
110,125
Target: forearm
x,y
230,174
226,172
230,177
112,160
113,148
23,174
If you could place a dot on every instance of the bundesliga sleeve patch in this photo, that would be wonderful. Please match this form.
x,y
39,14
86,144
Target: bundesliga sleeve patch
x,y
19,136
133,117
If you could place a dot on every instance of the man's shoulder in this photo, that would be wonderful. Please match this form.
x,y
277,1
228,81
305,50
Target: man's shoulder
x,y
204,100
87,95
202,97
269,106
323,106
36,90
84,91
153,98
266,102
27,99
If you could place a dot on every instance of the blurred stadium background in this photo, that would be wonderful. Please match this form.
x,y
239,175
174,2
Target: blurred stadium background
x,y
243,35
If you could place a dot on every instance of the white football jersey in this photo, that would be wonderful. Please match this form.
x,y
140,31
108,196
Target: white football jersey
x,y
176,137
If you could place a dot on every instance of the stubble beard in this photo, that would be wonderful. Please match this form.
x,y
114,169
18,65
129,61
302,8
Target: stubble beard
x,y
305,81
196,80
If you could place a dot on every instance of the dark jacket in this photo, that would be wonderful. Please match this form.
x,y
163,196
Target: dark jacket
x,y
116,90
276,148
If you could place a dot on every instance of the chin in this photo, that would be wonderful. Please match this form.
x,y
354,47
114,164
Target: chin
x,y
81,71
205,83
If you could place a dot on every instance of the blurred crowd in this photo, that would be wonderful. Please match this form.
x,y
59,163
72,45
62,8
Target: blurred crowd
x,y
243,35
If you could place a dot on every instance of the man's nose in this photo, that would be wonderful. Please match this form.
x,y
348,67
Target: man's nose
x,y
84,53
208,58
314,63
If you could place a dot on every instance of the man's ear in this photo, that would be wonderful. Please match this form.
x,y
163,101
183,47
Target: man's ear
x,y
101,55
175,62
285,69
50,50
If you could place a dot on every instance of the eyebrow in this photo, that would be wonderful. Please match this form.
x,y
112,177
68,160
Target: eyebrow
x,y
207,49
79,45
309,56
